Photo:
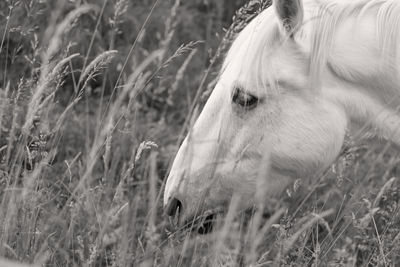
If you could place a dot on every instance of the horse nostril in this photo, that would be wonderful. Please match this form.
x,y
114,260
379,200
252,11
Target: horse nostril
x,y
173,205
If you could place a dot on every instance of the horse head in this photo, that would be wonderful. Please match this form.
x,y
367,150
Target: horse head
x,y
278,112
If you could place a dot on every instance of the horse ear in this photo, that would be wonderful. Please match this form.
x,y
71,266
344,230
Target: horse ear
x,y
290,12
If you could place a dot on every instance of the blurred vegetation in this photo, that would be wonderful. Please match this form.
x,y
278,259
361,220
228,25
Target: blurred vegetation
x,y
27,27
95,98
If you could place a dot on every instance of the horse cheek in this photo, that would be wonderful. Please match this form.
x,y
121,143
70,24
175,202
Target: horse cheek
x,y
310,138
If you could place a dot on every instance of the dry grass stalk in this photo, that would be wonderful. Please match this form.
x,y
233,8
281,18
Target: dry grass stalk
x,y
101,61
179,75
36,102
63,28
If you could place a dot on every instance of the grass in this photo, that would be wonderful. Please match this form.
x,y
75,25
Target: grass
x,y
95,99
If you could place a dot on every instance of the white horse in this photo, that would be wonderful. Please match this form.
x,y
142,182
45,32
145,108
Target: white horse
x,y
298,76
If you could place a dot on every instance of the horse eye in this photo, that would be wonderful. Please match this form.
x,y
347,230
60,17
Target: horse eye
x,y
244,99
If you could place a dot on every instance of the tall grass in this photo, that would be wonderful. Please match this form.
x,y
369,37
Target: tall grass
x,y
91,115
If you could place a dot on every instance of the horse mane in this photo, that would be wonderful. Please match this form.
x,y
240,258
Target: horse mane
x,y
323,18
331,14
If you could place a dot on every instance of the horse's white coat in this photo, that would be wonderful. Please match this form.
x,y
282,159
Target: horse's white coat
x,y
339,67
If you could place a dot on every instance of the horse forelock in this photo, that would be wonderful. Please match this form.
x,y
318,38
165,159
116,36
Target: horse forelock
x,y
252,49
248,48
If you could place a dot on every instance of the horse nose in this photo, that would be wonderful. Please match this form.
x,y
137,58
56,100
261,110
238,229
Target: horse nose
x,y
173,206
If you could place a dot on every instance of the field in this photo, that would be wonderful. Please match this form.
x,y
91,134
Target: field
x,y
95,98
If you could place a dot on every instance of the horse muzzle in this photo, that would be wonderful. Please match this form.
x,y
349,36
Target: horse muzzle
x,y
197,220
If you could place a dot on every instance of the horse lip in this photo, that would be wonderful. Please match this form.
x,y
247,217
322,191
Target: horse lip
x,y
206,225
201,224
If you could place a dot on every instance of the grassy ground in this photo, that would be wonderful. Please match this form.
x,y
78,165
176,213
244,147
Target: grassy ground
x,y
95,97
